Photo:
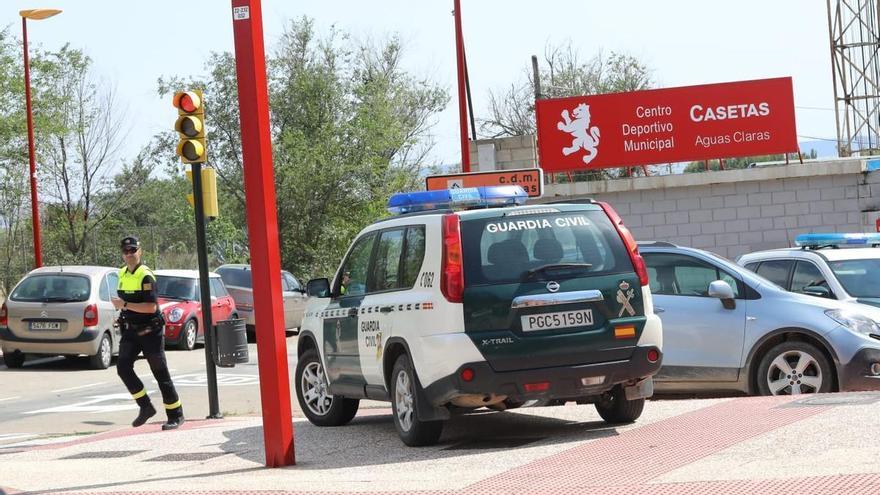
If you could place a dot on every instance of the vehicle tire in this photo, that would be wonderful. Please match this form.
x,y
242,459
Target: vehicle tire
x,y
312,392
188,335
14,360
101,360
792,368
614,407
404,407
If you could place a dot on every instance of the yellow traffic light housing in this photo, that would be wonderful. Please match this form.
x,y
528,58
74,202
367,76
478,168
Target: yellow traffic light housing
x,y
190,126
209,192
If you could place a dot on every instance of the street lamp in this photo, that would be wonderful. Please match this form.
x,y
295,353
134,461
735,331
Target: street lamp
x,y
36,15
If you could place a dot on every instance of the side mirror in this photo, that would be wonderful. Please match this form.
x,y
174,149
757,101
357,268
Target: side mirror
x,y
818,291
318,287
720,289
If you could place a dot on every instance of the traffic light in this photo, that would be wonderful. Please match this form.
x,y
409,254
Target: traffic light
x,y
209,192
190,126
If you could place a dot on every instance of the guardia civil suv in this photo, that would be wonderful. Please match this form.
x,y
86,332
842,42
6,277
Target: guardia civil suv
x,y
466,299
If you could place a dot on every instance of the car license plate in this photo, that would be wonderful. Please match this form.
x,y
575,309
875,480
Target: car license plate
x,y
563,319
45,325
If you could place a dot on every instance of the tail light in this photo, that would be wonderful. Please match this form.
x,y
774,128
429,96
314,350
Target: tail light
x,y
90,316
452,280
4,316
631,247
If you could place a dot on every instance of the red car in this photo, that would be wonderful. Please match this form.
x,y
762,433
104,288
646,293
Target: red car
x,y
178,295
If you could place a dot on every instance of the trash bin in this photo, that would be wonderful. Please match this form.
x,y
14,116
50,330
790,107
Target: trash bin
x,y
230,343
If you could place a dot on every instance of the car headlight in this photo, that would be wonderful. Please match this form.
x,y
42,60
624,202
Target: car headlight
x,y
854,321
175,315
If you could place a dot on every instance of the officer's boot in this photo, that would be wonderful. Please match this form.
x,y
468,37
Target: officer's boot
x,y
147,411
175,419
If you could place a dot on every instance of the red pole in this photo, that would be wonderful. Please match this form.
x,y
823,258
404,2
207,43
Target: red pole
x,y
462,102
35,209
262,220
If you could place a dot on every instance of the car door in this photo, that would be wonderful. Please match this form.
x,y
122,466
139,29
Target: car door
x,y
221,303
702,340
298,300
340,320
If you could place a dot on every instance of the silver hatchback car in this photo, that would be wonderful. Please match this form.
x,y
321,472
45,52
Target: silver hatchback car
x,y
726,328
61,310
239,283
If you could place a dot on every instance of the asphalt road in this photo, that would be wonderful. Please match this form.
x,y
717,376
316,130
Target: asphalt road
x,y
55,396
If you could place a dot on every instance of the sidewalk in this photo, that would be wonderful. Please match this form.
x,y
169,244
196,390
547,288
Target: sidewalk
x,y
815,444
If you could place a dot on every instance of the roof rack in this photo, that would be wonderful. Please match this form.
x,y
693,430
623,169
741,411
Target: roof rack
x,y
587,201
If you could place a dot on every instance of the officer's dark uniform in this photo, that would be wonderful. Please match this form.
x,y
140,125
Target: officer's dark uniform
x,y
144,332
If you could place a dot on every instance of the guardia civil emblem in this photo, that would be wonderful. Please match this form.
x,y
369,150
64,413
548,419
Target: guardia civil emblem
x,y
624,295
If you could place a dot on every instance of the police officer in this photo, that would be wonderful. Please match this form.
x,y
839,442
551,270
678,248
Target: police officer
x,y
143,329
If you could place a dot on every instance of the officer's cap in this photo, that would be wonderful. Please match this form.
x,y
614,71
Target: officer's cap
x,y
130,241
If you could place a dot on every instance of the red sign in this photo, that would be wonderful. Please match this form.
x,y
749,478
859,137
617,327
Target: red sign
x,y
667,125
531,179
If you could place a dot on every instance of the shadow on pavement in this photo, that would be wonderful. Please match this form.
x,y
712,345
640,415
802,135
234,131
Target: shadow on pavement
x,y
372,440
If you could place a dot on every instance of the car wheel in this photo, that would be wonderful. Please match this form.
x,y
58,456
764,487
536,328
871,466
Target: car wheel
x,y
614,407
404,407
313,394
101,360
14,359
793,368
188,336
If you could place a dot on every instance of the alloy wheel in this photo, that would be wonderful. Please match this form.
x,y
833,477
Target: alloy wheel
x,y
403,399
314,389
794,372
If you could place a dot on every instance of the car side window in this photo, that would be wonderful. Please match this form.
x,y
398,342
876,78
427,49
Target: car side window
x,y
217,288
805,275
776,271
387,268
292,283
356,266
285,284
680,275
413,256
104,288
752,266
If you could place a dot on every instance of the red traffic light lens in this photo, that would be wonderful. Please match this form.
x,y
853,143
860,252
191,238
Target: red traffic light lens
x,y
187,104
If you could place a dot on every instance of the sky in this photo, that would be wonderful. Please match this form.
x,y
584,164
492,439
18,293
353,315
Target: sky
x,y
684,42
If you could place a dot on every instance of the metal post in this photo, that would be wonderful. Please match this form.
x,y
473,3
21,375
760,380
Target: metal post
x,y
462,103
537,76
35,208
262,221
470,102
205,292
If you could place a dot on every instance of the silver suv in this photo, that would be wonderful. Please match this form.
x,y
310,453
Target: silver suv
x,y
61,310
727,328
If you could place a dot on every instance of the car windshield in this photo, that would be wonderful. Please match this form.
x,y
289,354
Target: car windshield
x,y
237,277
860,278
177,288
52,288
558,244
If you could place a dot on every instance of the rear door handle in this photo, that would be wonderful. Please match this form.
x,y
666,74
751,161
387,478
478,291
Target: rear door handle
x,y
658,310
352,313
386,309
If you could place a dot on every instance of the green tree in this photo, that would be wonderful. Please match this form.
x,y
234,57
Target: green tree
x,y
349,127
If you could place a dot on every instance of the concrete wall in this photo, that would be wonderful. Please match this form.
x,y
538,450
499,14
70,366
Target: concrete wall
x,y
508,153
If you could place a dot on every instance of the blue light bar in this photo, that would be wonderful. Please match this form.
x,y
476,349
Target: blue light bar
x,y
459,198
814,240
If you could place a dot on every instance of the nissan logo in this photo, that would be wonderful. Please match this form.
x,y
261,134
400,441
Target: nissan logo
x,y
552,286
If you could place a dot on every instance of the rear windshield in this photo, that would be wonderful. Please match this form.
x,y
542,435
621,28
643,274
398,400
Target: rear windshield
x,y
238,277
177,288
52,288
505,250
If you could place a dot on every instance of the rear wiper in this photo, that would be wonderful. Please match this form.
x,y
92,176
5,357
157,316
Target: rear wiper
x,y
59,299
557,266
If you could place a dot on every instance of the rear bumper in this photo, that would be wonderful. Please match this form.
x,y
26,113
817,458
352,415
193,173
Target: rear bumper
x,y
565,381
85,343
856,374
